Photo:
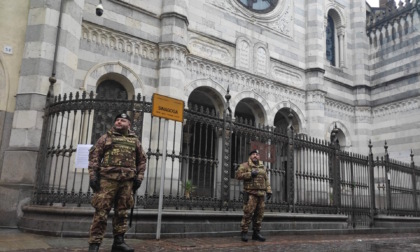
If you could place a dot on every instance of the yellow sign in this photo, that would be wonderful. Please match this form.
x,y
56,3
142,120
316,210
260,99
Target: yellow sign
x,y
167,107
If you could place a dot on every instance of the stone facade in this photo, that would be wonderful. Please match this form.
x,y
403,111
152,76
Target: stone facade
x,y
195,50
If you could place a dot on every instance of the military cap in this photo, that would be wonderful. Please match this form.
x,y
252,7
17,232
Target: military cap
x,y
254,151
122,115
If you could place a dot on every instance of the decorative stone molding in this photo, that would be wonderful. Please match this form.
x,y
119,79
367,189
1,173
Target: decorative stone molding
x,y
396,107
118,41
96,72
315,97
363,114
381,17
338,109
241,81
286,75
174,53
280,20
210,50
338,14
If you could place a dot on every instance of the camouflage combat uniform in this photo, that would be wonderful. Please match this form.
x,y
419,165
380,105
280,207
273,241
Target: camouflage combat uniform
x,y
118,159
255,188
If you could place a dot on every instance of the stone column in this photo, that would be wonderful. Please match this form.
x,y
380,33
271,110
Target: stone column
x,y
315,107
172,70
173,48
359,50
315,58
341,43
363,129
19,164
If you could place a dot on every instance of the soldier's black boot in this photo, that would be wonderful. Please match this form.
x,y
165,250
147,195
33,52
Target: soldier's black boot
x,y
244,236
120,246
93,247
257,236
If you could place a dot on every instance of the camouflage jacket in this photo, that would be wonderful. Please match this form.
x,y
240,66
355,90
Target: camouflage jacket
x,y
117,157
258,185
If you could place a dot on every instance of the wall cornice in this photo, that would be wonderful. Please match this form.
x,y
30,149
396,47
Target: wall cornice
x,y
106,37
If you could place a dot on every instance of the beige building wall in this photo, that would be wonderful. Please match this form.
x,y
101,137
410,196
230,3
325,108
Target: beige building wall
x,y
13,21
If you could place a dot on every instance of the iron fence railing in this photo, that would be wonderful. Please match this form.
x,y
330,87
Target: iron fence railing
x,y
307,175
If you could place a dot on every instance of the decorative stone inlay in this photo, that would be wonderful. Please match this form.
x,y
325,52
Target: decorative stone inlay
x,y
286,76
396,107
240,81
261,61
280,20
210,51
243,52
118,41
338,109
174,53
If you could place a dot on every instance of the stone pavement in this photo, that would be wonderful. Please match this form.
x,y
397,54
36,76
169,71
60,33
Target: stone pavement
x,y
15,240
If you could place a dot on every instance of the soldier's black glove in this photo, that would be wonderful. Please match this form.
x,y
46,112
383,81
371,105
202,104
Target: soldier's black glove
x,y
254,173
268,196
94,183
136,184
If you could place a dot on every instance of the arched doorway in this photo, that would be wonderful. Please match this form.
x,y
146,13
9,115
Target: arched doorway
x,y
341,137
103,120
249,114
201,141
282,120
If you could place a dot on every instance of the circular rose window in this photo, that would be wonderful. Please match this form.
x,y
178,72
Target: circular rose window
x,y
259,6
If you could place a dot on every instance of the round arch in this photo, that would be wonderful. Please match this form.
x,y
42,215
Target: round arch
x,y
251,95
287,104
113,71
343,128
218,89
336,14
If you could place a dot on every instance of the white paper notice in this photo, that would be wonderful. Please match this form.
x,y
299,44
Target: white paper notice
x,y
82,155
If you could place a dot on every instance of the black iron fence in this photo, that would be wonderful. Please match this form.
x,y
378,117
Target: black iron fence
x,y
307,175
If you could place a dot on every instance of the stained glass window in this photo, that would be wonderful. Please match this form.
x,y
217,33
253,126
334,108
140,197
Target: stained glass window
x,y
259,6
330,35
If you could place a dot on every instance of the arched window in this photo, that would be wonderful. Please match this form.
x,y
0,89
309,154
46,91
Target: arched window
x,y
335,39
330,41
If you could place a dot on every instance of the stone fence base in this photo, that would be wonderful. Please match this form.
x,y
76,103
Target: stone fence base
x,y
75,222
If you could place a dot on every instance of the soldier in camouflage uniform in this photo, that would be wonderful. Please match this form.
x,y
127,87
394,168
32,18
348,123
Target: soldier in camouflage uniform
x,y
116,169
256,187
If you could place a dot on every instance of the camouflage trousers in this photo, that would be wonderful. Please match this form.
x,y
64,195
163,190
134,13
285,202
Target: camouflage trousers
x,y
253,210
112,193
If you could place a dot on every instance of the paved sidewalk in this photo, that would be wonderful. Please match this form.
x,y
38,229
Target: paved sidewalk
x,y
15,240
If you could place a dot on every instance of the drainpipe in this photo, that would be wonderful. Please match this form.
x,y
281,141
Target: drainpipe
x,y
52,79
